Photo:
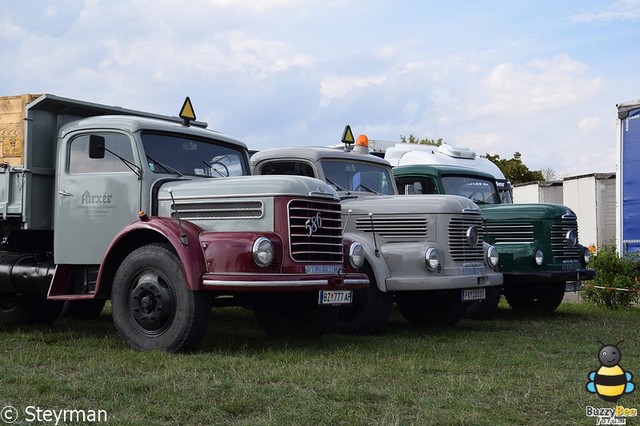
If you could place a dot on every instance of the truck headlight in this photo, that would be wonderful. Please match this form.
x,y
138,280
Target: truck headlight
x,y
356,255
571,238
492,257
586,255
262,252
539,257
432,258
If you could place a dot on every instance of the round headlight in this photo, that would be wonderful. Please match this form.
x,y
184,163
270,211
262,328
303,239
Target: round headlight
x,y
432,258
492,257
586,255
539,256
472,236
262,252
571,238
356,255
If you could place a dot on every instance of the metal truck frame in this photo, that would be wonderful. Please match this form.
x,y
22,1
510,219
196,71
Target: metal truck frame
x,y
425,253
156,214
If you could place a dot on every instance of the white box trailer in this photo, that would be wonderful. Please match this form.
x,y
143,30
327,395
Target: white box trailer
x,y
628,178
538,192
593,198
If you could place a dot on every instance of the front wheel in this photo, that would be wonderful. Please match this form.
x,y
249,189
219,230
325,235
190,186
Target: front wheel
x,y
431,308
534,299
152,307
369,310
294,315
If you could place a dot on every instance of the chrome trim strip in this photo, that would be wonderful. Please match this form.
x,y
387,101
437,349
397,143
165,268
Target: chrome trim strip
x,y
265,283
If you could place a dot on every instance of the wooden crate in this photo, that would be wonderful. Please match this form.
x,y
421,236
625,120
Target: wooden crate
x,y
12,128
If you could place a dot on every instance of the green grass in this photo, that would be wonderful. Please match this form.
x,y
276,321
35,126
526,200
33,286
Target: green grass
x,y
514,369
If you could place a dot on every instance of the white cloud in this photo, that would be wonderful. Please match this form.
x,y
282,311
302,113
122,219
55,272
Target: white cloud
x,y
333,86
619,10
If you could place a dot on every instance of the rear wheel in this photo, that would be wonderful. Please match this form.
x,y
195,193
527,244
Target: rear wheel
x,y
431,308
294,315
369,310
16,309
152,307
537,299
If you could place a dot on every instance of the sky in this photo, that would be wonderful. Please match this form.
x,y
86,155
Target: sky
x,y
542,77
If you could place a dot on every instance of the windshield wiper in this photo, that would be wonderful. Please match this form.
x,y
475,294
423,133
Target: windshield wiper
x,y
164,166
338,187
132,166
366,188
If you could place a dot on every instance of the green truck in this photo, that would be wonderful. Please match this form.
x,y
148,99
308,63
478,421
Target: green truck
x,y
156,213
540,255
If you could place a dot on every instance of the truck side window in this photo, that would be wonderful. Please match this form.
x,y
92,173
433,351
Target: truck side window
x,y
421,185
79,161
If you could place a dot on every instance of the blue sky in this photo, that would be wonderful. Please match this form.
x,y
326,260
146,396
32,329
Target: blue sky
x,y
539,77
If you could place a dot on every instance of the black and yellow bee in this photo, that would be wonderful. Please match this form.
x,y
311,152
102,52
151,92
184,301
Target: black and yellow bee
x,y
610,381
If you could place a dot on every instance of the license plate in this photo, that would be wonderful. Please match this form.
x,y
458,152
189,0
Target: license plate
x,y
575,286
474,294
335,297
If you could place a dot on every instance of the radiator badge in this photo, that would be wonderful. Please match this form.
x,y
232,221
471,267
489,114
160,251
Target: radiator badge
x,y
313,224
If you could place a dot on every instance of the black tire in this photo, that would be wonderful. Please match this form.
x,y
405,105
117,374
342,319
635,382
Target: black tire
x,y
369,311
85,309
431,308
294,315
534,299
15,309
486,308
151,305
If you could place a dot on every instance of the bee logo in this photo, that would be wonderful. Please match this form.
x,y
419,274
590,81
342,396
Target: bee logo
x,y
610,381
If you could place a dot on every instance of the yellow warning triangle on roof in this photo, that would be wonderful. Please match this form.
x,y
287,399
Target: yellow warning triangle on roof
x,y
347,135
186,113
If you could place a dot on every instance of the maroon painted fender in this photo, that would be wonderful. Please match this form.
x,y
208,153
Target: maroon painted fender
x,y
153,229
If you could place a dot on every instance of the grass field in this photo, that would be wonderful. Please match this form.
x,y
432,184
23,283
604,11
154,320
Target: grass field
x,y
514,369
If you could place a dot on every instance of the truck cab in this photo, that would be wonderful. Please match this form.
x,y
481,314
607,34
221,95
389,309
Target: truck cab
x,y
540,255
158,214
426,254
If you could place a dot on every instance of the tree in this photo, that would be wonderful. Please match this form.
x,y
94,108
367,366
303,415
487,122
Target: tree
x,y
514,169
425,141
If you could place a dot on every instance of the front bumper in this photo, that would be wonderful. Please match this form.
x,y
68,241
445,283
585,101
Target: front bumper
x,y
444,282
283,282
545,277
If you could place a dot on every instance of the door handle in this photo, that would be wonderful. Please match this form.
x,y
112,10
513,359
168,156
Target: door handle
x,y
64,193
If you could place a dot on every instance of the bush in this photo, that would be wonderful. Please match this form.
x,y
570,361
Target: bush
x,y
613,271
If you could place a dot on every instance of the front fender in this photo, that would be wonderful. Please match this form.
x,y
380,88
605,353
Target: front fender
x,y
377,262
153,230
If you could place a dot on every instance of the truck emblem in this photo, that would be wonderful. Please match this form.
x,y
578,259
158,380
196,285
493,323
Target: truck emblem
x,y
313,224
472,236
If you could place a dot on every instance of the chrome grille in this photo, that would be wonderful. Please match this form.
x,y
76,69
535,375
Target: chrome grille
x,y
194,210
394,227
316,231
512,232
559,246
460,250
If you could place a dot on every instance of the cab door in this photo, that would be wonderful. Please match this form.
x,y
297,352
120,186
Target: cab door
x,y
97,195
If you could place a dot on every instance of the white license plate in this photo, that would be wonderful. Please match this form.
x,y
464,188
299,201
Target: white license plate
x,y
475,294
574,286
335,297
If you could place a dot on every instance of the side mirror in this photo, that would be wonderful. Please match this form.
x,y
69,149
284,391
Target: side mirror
x,y
96,146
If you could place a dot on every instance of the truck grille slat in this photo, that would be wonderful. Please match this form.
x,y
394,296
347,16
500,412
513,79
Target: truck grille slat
x,y
315,231
459,249
509,232
217,209
394,227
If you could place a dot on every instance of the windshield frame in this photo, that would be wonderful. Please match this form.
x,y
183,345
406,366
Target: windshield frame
x,y
345,175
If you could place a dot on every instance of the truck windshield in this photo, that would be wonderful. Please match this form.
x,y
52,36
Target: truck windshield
x,y
480,191
358,176
183,155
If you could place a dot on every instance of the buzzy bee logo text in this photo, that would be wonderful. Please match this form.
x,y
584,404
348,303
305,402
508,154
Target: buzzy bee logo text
x,y
610,382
